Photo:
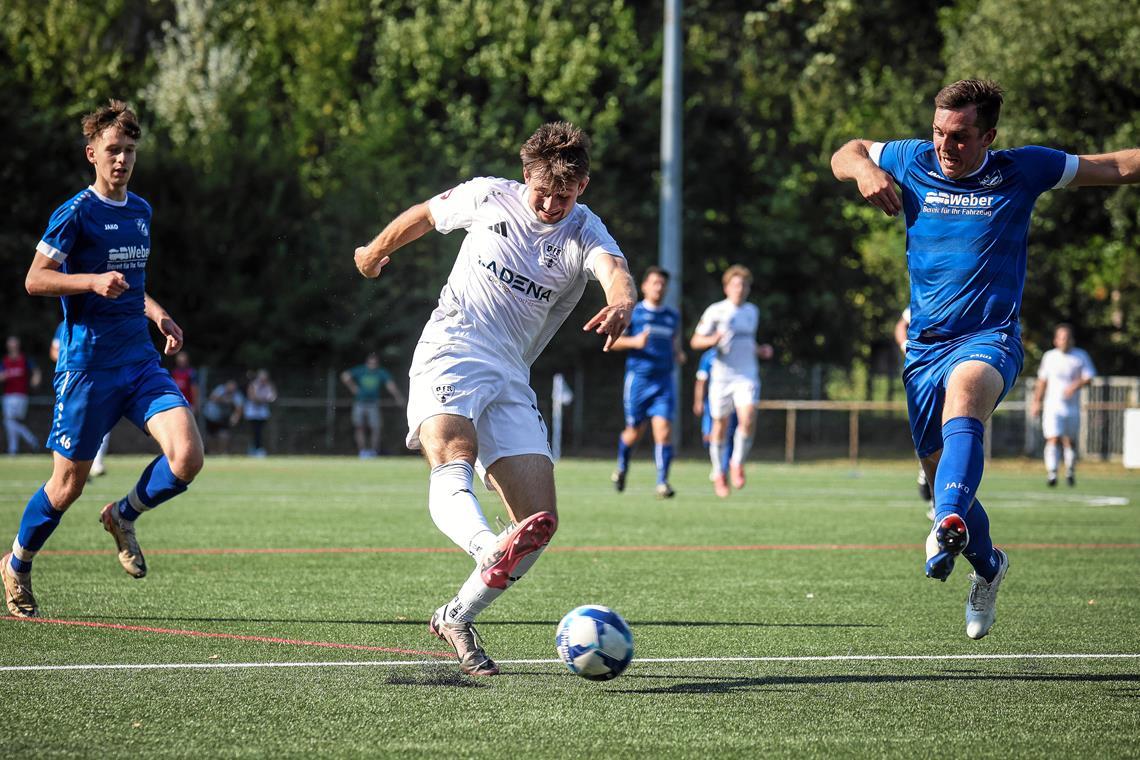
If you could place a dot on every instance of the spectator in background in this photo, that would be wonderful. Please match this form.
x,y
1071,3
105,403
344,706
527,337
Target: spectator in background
x,y
222,413
186,378
259,394
19,374
364,381
1064,370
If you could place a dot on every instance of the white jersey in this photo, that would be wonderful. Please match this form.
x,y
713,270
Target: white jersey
x,y
1060,369
736,352
516,279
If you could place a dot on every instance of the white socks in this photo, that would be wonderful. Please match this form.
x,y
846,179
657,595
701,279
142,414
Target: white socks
x,y
475,595
716,454
741,445
455,510
1070,459
1051,459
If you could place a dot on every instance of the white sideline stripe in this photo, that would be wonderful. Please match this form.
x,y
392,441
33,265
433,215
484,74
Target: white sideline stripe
x,y
659,660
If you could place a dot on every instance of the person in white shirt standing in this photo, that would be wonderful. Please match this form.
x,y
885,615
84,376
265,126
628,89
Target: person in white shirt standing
x,y
1064,370
529,251
734,383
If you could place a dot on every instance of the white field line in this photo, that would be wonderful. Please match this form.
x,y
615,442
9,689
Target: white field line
x,y
656,660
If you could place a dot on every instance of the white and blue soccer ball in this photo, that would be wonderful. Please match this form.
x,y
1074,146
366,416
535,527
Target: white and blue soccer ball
x,y
594,642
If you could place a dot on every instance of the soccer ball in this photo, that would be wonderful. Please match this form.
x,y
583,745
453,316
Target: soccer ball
x,y
594,642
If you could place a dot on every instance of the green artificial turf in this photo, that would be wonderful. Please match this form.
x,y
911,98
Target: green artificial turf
x,y
814,560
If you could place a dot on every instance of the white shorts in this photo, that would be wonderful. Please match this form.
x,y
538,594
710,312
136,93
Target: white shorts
x,y
728,395
1060,424
15,406
448,379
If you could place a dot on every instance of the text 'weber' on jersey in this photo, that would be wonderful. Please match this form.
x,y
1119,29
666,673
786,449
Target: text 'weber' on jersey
x,y
515,279
967,238
93,234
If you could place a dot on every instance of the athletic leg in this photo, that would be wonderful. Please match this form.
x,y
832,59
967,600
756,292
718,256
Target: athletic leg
x,y
663,454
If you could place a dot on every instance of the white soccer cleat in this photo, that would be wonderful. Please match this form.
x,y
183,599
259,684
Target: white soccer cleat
x,y
981,605
18,590
123,531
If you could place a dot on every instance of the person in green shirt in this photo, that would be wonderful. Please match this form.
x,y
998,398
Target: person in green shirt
x,y
365,381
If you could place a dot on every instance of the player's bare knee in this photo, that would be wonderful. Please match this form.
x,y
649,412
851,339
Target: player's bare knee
x,y
64,489
186,462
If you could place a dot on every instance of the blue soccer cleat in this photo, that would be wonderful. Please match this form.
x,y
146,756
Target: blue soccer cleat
x,y
945,542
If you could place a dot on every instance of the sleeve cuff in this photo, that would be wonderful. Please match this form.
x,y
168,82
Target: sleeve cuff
x,y
876,152
1071,164
51,252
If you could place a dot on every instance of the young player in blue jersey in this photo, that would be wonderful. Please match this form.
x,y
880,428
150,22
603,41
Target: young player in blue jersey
x,y
93,255
967,212
701,411
648,395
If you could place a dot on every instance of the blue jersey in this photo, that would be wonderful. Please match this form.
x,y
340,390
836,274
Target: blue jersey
x,y
967,238
658,355
91,234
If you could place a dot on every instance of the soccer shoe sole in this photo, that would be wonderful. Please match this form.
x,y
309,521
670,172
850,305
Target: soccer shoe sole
x,y
980,628
950,537
476,663
134,564
530,535
21,608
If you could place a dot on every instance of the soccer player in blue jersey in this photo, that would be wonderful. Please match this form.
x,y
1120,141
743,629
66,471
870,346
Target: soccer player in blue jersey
x,y
967,211
93,255
648,395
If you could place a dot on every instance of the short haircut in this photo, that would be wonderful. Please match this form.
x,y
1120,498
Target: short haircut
x,y
736,270
654,269
556,156
1065,326
115,114
984,94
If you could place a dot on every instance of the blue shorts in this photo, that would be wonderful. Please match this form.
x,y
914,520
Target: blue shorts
x,y
88,403
648,396
928,368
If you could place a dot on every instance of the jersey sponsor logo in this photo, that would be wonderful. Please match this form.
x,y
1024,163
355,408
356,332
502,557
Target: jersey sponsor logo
x,y
110,227
993,179
141,224
550,255
499,227
515,281
939,198
444,392
128,256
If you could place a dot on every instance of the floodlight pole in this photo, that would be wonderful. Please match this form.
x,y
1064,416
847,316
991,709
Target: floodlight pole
x,y
669,251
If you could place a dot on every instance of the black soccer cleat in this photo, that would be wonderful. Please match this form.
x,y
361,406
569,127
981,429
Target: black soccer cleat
x,y
618,479
946,541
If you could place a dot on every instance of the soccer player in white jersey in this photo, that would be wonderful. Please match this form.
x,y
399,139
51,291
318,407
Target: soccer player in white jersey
x,y
1063,372
529,251
734,383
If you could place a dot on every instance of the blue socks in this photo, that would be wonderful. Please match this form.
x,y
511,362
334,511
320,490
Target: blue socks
x,y
980,551
960,468
624,452
156,485
39,520
663,453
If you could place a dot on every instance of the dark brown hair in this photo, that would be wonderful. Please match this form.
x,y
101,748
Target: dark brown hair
x,y
115,114
652,270
556,156
984,94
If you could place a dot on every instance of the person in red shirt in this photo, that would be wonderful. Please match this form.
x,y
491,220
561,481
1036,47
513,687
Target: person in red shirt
x,y
19,375
186,378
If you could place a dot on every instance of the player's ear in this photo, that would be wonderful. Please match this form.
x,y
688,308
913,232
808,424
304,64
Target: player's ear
x,y
582,185
988,137
90,151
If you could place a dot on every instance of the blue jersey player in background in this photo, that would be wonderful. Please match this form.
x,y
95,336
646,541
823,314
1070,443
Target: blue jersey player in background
x,y
701,410
967,211
93,255
648,395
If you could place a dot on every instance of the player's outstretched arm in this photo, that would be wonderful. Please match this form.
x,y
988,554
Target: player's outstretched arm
x,y
1119,168
853,162
621,293
45,279
410,225
166,325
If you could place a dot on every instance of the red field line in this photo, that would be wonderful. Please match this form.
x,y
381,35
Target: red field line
x,y
647,548
230,636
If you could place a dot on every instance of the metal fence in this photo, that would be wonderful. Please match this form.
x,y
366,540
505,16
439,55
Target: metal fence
x,y
312,416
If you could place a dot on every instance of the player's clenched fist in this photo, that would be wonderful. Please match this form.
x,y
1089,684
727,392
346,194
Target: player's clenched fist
x,y
110,284
367,263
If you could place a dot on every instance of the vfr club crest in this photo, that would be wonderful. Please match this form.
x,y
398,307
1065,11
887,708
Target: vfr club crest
x,y
550,255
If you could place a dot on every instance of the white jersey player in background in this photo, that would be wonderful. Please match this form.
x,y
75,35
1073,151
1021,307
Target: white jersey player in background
x,y
1064,370
734,381
924,493
529,251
